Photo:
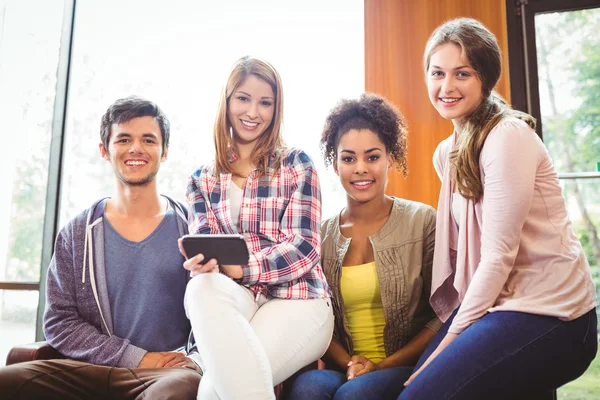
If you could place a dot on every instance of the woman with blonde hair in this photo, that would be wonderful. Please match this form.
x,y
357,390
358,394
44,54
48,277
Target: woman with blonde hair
x,y
256,324
510,278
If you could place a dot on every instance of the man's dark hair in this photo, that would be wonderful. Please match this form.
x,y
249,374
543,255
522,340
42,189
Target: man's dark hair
x,y
128,108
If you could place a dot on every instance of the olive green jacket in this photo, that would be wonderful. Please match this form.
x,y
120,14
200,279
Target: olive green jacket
x,y
403,250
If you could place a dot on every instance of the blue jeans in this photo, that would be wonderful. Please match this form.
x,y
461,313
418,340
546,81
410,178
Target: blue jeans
x,y
325,384
507,355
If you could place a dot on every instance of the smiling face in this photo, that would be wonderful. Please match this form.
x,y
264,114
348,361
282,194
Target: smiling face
x,y
135,151
454,87
250,110
362,163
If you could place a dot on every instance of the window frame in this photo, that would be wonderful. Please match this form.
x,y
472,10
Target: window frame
x,y
55,161
523,63
522,50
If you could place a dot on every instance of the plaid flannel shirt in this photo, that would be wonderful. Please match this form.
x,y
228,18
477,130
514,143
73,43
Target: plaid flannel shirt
x,y
280,220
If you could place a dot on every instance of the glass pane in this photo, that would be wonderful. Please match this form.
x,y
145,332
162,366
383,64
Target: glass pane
x,y
583,202
27,91
569,83
179,53
18,310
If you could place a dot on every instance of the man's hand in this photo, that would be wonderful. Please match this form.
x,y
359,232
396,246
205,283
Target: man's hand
x,y
185,363
159,359
367,366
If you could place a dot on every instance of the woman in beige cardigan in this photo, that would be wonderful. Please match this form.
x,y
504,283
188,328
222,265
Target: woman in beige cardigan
x,y
377,256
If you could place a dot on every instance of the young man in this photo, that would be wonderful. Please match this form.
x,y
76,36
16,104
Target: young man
x,y
116,282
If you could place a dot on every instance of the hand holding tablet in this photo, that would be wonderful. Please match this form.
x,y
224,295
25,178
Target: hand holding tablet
x,y
225,250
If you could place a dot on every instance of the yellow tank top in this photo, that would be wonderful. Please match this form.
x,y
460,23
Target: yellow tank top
x,y
363,310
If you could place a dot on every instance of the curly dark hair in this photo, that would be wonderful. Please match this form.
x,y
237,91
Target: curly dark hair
x,y
372,112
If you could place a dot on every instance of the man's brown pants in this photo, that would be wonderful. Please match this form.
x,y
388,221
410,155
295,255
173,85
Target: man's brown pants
x,y
68,379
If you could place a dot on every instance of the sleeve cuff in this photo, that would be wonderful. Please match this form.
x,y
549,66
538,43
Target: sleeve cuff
x,y
457,330
251,272
195,357
434,325
131,357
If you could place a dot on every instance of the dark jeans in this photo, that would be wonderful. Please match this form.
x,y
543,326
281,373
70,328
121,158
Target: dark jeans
x,y
325,384
68,379
507,355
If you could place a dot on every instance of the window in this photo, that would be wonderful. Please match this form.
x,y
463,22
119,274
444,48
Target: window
x,y
175,53
27,93
179,55
560,65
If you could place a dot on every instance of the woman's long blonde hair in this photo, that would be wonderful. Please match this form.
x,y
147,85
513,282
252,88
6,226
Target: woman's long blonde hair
x,y
480,47
270,143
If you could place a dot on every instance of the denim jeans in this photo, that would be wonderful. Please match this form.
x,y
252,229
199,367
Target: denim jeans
x,y
326,384
507,355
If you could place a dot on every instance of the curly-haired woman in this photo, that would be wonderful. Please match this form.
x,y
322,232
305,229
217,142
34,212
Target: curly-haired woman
x,y
377,256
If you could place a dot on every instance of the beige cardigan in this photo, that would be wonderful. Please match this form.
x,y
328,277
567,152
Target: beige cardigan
x,y
403,250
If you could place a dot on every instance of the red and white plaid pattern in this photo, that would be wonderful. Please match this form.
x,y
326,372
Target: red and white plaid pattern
x,y
280,219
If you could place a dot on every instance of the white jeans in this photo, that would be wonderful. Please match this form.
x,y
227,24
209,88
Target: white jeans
x,y
246,346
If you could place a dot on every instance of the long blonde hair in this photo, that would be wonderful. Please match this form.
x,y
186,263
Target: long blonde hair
x,y
480,47
270,143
